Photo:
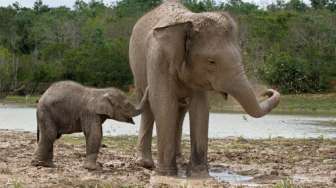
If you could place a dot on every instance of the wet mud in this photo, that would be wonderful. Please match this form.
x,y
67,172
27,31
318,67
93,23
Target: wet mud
x,y
233,162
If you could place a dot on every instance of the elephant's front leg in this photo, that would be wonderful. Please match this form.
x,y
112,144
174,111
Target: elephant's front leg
x,y
93,135
199,120
165,111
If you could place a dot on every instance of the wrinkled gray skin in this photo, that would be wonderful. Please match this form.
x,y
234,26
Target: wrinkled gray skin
x,y
68,107
181,55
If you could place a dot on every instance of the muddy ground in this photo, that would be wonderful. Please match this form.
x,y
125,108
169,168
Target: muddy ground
x,y
275,162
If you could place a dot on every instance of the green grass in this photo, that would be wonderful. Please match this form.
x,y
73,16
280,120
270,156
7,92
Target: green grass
x,y
126,143
20,100
312,104
76,140
17,184
308,103
287,183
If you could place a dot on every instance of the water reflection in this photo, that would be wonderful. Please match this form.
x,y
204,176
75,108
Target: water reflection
x,y
223,175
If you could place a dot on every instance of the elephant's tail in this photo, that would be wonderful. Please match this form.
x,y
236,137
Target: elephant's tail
x,y
38,133
38,126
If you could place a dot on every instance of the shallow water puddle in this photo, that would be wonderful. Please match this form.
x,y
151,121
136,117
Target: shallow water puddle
x,y
177,181
218,175
224,175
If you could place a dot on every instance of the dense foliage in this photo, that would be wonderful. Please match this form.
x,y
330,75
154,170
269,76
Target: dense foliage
x,y
290,46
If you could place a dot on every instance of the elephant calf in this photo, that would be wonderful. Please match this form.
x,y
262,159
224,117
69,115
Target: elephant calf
x,y
68,107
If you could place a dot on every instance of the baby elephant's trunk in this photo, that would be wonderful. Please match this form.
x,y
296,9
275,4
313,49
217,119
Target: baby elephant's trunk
x,y
140,106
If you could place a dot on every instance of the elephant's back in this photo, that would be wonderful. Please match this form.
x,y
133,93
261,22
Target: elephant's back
x,y
141,33
61,94
137,47
171,9
139,37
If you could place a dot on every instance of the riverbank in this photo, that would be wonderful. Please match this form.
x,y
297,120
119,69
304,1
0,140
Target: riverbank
x,y
312,104
274,162
20,101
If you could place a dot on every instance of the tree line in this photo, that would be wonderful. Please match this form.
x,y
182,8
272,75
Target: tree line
x,y
288,45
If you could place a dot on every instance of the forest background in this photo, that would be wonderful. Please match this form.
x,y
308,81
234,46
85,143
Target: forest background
x,y
290,46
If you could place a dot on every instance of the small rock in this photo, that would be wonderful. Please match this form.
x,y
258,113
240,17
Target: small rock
x,y
109,164
333,173
274,173
327,149
4,145
334,180
328,161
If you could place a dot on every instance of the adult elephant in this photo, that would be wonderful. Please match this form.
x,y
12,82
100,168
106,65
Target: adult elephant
x,y
181,55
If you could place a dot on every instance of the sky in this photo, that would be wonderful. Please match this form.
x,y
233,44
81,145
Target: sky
x,y
50,3
70,3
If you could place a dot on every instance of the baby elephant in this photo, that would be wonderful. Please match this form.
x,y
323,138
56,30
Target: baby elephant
x,y
68,107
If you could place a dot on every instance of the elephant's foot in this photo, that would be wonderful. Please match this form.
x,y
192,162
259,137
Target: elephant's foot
x,y
92,165
198,171
145,162
48,164
166,171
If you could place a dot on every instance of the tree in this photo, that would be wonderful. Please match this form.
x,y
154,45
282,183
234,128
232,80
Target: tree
x,y
332,5
279,5
240,7
297,5
288,45
39,7
318,4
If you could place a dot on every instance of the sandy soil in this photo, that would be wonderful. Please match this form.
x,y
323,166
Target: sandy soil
x,y
274,162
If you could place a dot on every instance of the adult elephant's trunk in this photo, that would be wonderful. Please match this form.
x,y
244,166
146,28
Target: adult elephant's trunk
x,y
242,91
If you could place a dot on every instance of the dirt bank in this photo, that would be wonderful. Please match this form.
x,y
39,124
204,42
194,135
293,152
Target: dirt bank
x,y
272,162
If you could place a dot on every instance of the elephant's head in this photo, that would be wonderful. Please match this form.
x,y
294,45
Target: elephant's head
x,y
203,49
114,104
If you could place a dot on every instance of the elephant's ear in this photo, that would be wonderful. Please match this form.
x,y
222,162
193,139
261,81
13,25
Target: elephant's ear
x,y
102,106
174,40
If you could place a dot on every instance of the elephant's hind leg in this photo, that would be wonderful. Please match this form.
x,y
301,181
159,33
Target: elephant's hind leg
x,y
144,148
48,134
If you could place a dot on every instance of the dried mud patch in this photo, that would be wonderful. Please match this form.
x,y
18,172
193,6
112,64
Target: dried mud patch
x,y
272,162
17,148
